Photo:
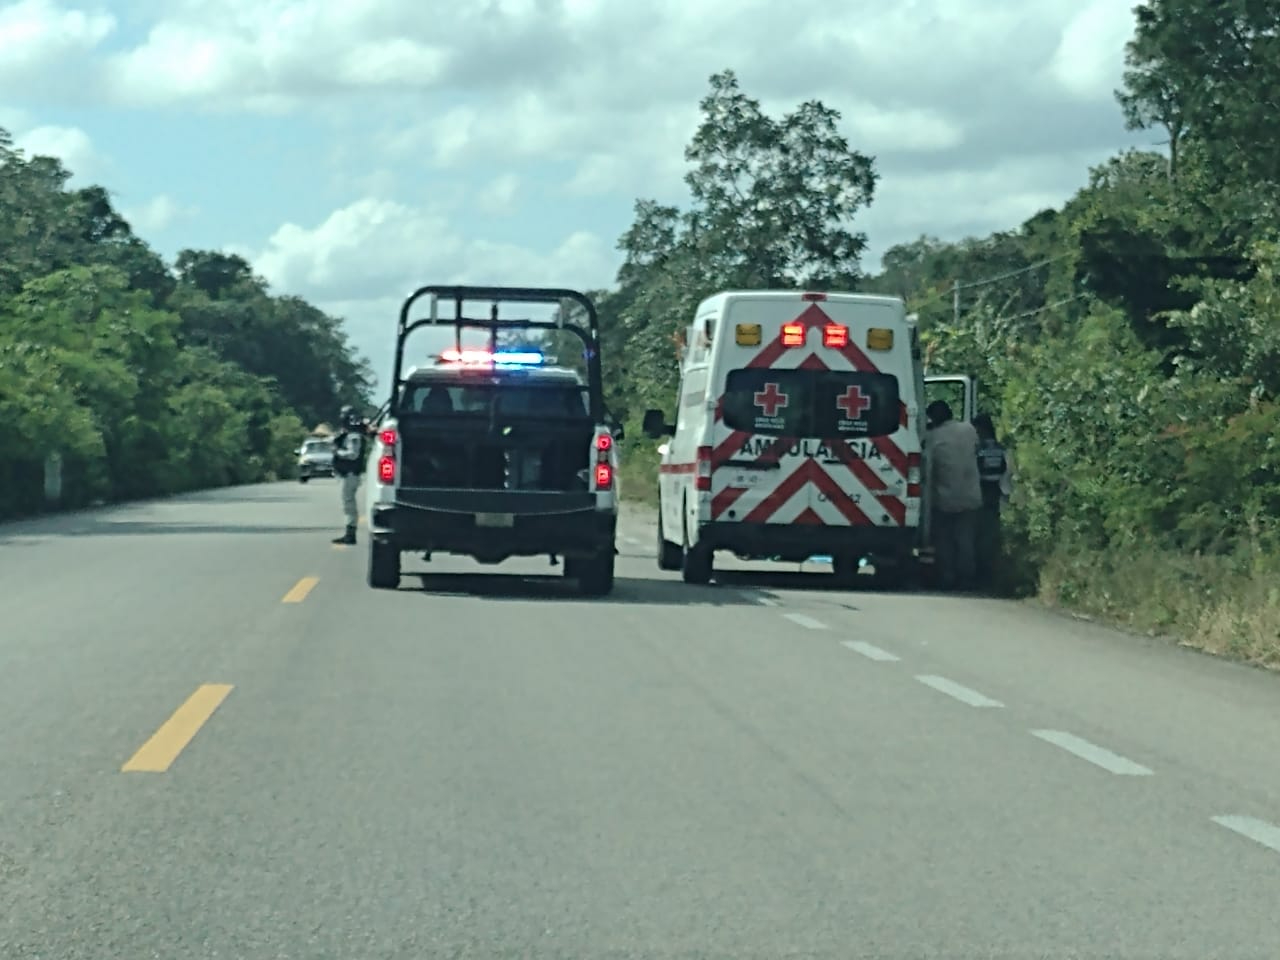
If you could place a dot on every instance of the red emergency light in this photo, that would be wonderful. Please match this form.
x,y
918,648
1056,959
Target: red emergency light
x,y
834,335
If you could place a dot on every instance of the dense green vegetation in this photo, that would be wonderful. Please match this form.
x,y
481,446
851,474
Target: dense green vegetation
x,y
144,378
1128,343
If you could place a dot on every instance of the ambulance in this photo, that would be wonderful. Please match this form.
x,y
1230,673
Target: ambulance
x,y
799,432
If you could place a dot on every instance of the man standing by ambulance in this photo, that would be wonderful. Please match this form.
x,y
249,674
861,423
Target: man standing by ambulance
x,y
956,495
348,465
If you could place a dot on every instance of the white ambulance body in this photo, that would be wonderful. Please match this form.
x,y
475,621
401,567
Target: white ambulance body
x,y
799,432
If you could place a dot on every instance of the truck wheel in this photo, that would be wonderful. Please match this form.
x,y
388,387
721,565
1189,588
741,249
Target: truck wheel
x,y
595,577
303,479
698,565
384,566
670,555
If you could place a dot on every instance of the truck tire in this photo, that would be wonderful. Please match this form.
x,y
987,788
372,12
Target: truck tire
x,y
670,555
384,566
595,576
303,479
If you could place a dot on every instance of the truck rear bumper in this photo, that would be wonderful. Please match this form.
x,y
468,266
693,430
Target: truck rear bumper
x,y
796,543
494,525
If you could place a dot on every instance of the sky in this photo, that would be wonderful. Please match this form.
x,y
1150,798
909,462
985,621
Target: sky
x,y
355,149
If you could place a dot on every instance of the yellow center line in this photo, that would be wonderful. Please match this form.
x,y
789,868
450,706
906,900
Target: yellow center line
x,y
158,753
300,590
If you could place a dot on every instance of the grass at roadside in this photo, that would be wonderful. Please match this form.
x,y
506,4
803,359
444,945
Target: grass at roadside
x,y
1229,606
639,474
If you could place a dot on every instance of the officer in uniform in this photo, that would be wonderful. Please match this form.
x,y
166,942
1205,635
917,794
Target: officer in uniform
x,y
348,465
996,476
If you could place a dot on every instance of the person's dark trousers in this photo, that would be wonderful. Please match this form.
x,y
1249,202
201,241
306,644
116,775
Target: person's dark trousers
x,y
987,556
955,543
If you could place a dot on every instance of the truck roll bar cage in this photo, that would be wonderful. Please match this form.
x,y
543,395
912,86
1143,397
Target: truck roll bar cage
x,y
590,336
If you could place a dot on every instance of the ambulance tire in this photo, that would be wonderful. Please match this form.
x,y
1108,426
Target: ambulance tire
x,y
892,576
845,571
670,555
698,566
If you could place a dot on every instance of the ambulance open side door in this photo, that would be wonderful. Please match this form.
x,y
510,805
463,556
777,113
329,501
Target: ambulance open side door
x,y
958,389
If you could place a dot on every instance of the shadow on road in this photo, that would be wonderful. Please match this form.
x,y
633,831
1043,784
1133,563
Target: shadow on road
x,y
824,582
125,528
555,587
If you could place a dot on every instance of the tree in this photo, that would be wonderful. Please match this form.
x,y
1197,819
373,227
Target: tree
x,y
142,381
1208,70
773,200
773,205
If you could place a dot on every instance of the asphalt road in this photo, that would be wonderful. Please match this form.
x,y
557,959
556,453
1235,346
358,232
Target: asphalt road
x,y
216,741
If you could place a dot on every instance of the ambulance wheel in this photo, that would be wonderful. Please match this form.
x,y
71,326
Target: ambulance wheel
x,y
670,555
892,576
845,570
698,565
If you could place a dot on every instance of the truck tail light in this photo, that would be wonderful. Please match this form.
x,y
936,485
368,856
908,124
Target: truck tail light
x,y
604,476
388,437
387,469
793,334
703,481
913,475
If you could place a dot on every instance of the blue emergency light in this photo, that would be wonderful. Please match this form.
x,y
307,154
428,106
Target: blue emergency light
x,y
502,358
518,358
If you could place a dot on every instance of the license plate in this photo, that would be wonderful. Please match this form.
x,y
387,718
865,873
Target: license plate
x,y
495,519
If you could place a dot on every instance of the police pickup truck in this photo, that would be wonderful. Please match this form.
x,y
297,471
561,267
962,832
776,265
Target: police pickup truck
x,y
492,453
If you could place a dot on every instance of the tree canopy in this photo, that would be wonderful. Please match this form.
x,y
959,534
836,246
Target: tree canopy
x,y
142,377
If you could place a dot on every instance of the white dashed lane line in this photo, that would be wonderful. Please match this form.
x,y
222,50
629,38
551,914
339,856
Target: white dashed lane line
x,y
952,689
1098,756
1259,831
870,651
760,598
808,622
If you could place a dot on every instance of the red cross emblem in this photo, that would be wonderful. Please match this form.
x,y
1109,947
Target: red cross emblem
x,y
853,403
771,400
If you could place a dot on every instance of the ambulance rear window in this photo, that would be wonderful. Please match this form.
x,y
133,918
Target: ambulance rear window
x,y
811,403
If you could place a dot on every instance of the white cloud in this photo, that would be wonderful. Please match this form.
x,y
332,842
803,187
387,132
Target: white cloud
x,y
39,36
499,195
375,247
157,214
1089,61
71,145
970,202
363,259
